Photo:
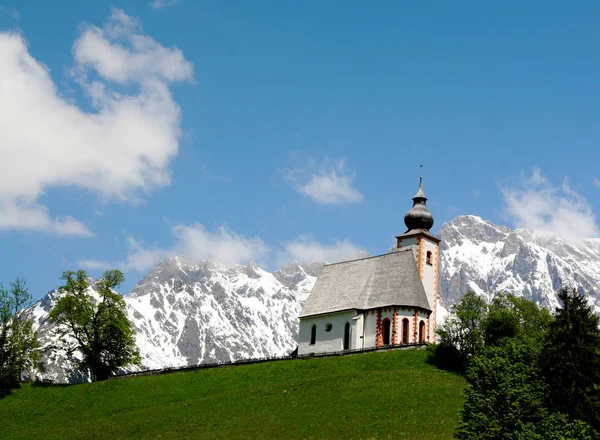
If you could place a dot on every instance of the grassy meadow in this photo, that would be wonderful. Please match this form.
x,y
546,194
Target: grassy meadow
x,y
392,394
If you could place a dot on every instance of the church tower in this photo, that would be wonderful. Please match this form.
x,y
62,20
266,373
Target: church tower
x,y
425,248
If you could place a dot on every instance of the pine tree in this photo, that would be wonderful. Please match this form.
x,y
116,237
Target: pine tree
x,y
572,360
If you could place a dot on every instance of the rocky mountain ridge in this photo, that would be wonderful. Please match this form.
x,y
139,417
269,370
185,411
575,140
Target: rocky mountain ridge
x,y
188,312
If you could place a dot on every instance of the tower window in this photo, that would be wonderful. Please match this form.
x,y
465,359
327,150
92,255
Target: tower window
x,y
429,258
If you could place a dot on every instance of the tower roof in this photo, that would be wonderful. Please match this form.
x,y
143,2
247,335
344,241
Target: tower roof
x,y
419,217
420,193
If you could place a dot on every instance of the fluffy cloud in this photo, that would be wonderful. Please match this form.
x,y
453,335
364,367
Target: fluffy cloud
x,y
534,202
307,248
227,247
195,242
326,184
222,245
159,4
120,151
139,258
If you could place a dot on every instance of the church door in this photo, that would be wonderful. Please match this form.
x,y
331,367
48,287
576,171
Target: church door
x,y
422,332
386,331
347,336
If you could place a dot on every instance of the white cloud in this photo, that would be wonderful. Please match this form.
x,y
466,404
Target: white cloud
x,y
326,185
307,248
533,202
119,151
138,259
35,217
195,242
159,4
140,58
222,245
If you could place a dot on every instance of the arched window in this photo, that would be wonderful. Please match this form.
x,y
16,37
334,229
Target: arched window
x,y
347,336
386,331
422,332
429,258
313,335
405,325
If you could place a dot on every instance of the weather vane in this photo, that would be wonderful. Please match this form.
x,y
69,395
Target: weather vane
x,y
421,173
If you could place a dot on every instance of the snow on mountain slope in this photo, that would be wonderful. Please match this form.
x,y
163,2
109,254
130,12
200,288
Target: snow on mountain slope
x,y
477,255
186,313
193,312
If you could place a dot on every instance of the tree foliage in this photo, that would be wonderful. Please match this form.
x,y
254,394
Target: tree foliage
x,y
460,337
572,360
531,375
96,328
510,317
506,398
18,342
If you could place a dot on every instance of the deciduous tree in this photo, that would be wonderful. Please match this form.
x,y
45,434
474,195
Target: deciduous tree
x,y
97,328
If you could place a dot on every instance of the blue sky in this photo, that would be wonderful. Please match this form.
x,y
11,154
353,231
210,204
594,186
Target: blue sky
x,y
272,131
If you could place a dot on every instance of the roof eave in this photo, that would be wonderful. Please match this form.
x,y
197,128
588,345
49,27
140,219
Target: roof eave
x,y
417,232
411,306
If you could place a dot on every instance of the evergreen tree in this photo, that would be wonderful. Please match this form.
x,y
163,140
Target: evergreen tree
x,y
572,360
98,329
506,398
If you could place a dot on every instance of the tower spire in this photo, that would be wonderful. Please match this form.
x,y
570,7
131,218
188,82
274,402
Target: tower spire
x,y
419,217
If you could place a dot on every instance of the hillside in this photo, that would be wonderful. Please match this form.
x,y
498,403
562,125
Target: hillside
x,y
393,394
186,313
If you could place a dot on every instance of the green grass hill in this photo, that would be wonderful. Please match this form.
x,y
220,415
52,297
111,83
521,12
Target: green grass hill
x,y
391,394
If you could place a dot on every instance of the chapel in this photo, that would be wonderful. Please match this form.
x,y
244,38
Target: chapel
x,y
385,300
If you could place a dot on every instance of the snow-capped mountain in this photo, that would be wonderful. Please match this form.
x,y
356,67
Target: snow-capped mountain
x,y
187,313
478,255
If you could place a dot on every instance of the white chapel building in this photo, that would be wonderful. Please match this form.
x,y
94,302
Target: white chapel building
x,y
386,300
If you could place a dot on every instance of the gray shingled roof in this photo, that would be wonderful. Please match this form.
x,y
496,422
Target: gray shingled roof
x,y
385,280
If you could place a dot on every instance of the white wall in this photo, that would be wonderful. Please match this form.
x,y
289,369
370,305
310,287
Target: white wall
x,y
332,340
429,270
371,325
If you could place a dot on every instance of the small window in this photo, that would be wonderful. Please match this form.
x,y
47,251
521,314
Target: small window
x,y
405,325
313,335
422,332
328,327
429,258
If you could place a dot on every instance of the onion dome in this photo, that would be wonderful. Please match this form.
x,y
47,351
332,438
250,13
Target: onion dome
x,y
419,217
